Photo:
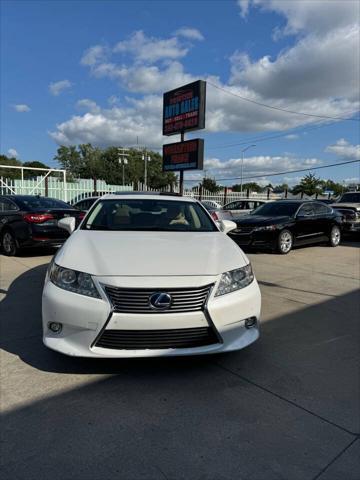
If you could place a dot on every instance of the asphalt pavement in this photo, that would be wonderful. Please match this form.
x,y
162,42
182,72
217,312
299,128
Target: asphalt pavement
x,y
286,407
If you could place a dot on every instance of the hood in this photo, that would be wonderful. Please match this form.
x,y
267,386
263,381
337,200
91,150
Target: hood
x,y
255,220
150,253
354,206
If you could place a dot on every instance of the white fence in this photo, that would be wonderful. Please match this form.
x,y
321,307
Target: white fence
x,y
53,187
81,188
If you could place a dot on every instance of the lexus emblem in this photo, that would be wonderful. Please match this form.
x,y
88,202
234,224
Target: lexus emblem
x,y
160,301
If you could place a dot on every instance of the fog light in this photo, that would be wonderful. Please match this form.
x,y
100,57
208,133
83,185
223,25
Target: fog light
x,y
250,322
55,327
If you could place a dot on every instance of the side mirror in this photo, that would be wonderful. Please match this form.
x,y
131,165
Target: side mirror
x,y
227,226
68,224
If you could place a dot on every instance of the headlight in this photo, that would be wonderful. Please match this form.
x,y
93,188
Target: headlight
x,y
267,227
235,280
73,281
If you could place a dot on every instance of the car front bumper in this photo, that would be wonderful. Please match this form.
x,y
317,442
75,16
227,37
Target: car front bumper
x,y
84,319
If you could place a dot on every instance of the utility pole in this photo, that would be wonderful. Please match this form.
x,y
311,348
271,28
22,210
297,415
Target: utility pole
x,y
242,165
146,158
123,160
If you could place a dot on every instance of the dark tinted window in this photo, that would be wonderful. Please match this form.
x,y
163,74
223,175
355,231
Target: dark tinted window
x,y
276,209
321,209
7,205
33,203
306,210
85,204
148,215
231,206
351,197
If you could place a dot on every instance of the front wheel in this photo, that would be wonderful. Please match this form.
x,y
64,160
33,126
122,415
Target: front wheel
x,y
335,236
284,242
8,244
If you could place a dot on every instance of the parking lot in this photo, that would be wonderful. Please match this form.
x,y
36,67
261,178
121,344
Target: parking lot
x,y
286,407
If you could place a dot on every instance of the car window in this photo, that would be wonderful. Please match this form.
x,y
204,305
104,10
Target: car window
x,y
35,202
321,209
148,215
352,197
276,209
306,210
7,205
231,206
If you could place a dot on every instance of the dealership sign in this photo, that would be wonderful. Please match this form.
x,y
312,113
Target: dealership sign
x,y
187,155
184,108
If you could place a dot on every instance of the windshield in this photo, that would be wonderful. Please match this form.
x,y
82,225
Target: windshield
x,y
350,197
276,209
148,215
36,202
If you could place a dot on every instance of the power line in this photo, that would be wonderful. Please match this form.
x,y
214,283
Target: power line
x,y
229,92
284,173
278,135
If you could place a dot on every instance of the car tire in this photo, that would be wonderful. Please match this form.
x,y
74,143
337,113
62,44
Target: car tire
x,y
335,236
9,245
284,242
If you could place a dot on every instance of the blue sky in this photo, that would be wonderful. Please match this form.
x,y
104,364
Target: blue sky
x,y
73,72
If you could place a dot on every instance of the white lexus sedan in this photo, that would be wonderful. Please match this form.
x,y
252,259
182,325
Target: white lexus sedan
x,y
146,276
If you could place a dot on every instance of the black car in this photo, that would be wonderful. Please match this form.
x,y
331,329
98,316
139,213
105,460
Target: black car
x,y
283,224
29,220
85,203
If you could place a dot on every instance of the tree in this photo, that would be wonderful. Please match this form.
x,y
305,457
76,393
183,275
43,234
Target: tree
x,y
251,186
210,185
309,185
330,185
10,173
87,161
281,188
34,173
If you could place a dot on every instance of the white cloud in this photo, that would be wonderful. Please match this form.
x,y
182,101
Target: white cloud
x,y
21,107
94,55
244,7
258,165
145,78
12,153
87,104
150,49
344,149
190,33
56,88
316,16
292,136
352,180
325,67
115,126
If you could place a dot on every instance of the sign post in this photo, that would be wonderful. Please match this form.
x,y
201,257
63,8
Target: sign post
x,y
184,110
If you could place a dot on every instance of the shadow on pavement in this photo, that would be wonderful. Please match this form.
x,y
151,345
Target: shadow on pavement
x,y
282,408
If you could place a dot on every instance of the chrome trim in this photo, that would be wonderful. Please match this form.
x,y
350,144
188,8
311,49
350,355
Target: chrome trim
x,y
310,234
208,316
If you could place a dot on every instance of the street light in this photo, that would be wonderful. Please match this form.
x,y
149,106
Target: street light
x,y
242,164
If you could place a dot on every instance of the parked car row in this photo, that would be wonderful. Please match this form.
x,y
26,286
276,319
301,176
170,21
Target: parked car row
x,y
280,225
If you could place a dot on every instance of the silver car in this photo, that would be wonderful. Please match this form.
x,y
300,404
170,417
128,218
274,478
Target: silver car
x,y
239,207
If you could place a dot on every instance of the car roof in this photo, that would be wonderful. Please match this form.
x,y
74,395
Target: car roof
x,y
147,196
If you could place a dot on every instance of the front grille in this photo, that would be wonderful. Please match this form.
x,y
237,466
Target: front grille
x,y
137,300
157,339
